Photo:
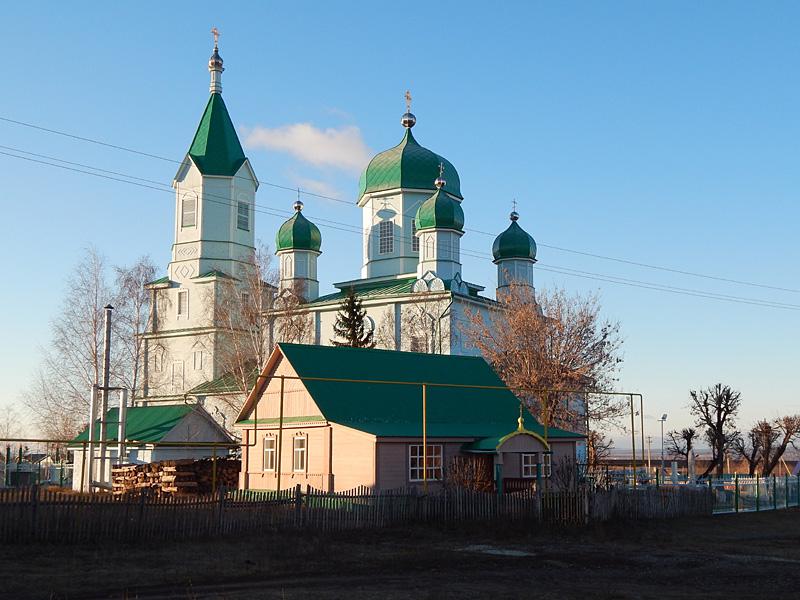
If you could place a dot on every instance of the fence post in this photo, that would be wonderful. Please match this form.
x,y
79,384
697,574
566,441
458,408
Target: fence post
x,y
220,508
758,494
34,505
657,478
774,493
298,505
736,492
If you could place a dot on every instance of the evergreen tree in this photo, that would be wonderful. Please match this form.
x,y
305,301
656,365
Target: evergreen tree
x,y
349,325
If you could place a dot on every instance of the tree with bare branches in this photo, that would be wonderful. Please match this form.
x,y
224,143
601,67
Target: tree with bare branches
x,y
680,443
292,321
243,313
766,442
549,347
715,410
598,449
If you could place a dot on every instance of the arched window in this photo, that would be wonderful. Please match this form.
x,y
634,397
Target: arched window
x,y
386,237
414,238
189,210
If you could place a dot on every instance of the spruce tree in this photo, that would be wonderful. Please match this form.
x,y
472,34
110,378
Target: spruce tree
x,y
349,326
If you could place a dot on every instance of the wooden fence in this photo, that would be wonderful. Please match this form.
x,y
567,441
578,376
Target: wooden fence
x,y
42,514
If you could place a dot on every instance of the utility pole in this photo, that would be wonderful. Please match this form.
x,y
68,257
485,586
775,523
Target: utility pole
x,y
649,441
662,419
104,390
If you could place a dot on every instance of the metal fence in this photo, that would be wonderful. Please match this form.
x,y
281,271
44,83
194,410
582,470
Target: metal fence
x,y
739,493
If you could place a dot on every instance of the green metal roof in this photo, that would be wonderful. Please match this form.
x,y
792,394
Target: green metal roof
x,y
440,211
514,242
407,165
298,233
372,289
213,273
158,281
216,149
224,384
394,409
142,423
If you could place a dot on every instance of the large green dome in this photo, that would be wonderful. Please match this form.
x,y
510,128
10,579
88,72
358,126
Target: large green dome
x,y
407,165
514,242
440,211
298,233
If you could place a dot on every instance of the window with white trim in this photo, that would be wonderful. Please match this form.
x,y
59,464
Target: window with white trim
x,y
433,470
529,462
189,210
243,216
269,453
547,464
414,238
183,303
197,360
299,454
385,237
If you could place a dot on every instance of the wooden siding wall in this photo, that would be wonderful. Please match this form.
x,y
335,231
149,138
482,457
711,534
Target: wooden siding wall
x,y
393,461
354,455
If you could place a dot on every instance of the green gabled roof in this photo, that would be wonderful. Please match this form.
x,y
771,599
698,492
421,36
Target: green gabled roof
x,y
158,281
407,165
372,289
216,149
394,409
142,423
224,384
440,211
213,273
298,233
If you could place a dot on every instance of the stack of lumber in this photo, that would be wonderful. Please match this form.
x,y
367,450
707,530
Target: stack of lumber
x,y
176,477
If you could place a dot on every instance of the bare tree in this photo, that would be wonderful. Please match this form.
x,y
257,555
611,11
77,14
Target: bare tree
x,y
10,423
715,410
748,446
788,428
385,330
598,449
131,318
767,442
243,312
681,443
293,322
549,349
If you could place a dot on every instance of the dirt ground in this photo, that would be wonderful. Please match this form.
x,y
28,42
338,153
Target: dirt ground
x,y
726,556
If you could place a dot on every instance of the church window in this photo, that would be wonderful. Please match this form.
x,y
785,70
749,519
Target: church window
x,y
177,375
243,216
197,359
183,303
386,237
245,300
269,453
299,454
529,462
158,359
414,238
429,246
189,210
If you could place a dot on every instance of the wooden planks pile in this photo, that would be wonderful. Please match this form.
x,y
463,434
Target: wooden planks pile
x,y
176,477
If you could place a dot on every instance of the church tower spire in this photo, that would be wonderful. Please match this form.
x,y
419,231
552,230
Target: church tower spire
x,y
215,65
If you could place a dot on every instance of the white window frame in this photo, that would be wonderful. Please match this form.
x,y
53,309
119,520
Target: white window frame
x,y
385,237
269,455
547,464
528,462
197,360
243,216
189,211
414,238
183,306
435,468
299,451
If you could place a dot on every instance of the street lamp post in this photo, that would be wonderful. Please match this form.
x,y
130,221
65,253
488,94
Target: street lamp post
x,y
662,419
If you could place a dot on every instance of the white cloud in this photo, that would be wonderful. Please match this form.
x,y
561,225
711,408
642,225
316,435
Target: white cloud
x,y
342,148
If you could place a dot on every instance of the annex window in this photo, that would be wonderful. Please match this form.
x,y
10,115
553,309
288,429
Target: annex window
x,y
189,210
245,300
529,462
197,360
547,464
183,303
299,454
386,237
243,216
433,469
269,453
414,238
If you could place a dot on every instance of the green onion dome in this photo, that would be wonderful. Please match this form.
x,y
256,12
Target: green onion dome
x,y
407,165
440,211
298,233
514,242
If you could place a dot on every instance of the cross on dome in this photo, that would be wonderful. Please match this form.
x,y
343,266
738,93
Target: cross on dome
x,y
215,33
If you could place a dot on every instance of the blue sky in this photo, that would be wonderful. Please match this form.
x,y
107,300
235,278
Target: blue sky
x,y
659,133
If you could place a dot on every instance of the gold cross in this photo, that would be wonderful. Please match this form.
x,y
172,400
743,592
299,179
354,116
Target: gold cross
x,y
408,101
215,33
514,204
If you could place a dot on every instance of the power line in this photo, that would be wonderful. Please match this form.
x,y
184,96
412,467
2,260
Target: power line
x,y
353,205
162,187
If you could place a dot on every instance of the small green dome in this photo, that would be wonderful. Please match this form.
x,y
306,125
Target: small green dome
x,y
440,211
298,233
514,242
407,165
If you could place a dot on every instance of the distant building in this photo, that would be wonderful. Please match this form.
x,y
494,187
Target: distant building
x,y
309,422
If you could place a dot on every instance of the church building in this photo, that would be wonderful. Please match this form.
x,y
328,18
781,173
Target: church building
x,y
411,281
